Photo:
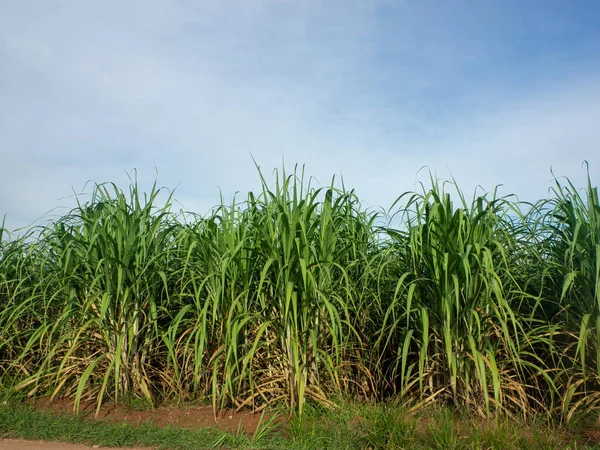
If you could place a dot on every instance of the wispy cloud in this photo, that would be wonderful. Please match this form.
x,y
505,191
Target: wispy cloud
x,y
371,90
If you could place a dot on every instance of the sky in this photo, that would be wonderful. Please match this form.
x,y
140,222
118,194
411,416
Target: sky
x,y
379,92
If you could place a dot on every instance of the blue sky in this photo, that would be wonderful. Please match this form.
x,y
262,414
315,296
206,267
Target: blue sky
x,y
491,92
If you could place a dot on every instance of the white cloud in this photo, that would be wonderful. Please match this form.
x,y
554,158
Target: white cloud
x,y
91,89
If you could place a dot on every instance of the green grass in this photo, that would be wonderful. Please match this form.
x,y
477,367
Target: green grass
x,y
295,296
350,427
29,424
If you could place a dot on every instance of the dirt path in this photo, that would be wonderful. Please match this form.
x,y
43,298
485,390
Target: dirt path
x,y
18,444
187,417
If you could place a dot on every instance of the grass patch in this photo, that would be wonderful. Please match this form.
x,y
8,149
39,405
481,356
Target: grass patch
x,y
391,427
352,426
19,421
26,423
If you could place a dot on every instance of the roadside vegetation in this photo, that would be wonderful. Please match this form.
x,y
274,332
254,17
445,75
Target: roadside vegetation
x,y
296,296
351,426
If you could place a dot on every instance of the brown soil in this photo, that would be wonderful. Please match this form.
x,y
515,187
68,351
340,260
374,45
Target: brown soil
x,y
593,436
184,417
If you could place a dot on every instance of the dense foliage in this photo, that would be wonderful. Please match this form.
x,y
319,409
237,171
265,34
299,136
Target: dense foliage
x,y
298,294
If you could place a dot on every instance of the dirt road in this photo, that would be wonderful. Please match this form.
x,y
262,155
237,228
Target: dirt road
x,y
18,444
